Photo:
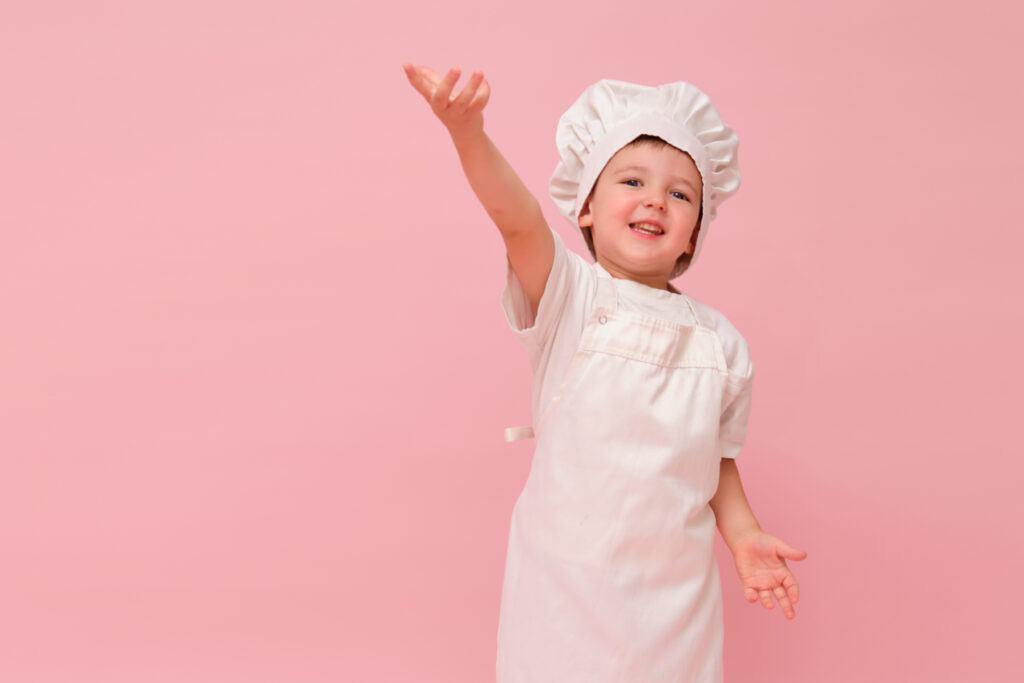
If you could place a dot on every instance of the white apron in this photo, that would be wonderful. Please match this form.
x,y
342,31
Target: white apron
x,y
610,574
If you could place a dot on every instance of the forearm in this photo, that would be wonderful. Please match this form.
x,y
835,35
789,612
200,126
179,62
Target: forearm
x,y
732,511
507,200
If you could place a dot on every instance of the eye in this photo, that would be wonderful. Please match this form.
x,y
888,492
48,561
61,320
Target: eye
x,y
679,195
632,182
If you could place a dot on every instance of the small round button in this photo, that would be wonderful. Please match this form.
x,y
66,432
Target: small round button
x,y
603,319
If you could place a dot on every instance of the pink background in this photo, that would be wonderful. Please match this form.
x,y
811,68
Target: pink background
x,y
254,372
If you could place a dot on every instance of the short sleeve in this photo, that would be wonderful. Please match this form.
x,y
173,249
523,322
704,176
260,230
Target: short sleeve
x,y
732,430
536,333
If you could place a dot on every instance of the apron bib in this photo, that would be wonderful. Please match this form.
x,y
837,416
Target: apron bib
x,y
610,572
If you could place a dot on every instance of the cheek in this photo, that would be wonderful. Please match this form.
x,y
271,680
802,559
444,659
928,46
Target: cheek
x,y
619,209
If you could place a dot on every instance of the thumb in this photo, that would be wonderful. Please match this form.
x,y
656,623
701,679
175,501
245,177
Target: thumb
x,y
788,552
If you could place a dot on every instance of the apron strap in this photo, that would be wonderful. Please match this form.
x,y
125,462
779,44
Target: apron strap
x,y
693,311
517,433
605,299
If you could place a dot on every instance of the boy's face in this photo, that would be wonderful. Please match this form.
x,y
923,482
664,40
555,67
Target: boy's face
x,y
643,211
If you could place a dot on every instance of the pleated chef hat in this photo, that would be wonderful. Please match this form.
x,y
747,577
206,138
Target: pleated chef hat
x,y
611,114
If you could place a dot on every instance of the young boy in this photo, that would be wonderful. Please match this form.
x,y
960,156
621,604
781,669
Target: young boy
x,y
641,393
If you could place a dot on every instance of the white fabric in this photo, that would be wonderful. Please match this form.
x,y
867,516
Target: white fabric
x,y
551,339
610,114
610,573
517,433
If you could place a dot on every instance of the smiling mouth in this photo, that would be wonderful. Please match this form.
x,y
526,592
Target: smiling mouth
x,y
646,229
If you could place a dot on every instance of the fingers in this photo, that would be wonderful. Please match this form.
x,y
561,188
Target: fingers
x,y
766,595
464,98
443,93
460,111
474,96
783,600
785,592
438,90
419,80
792,589
429,74
482,95
423,78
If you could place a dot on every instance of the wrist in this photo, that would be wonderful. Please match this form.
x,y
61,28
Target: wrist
x,y
736,536
466,135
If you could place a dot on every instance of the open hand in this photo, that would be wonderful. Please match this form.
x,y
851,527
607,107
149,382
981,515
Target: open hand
x,y
461,112
761,564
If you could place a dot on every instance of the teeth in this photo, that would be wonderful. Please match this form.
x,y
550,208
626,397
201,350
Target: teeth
x,y
647,227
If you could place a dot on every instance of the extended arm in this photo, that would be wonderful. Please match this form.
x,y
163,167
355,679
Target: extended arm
x,y
760,558
508,202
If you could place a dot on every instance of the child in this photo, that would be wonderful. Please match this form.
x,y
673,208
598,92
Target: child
x,y
641,393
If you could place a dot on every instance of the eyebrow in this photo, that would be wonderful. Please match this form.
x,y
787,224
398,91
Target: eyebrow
x,y
642,169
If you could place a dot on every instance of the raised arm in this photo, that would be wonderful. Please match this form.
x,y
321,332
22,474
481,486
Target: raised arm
x,y
515,211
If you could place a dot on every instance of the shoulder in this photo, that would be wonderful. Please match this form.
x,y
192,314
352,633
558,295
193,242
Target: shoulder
x,y
571,275
574,260
734,346
567,286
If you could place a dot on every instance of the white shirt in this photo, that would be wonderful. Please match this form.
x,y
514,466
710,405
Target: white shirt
x,y
552,338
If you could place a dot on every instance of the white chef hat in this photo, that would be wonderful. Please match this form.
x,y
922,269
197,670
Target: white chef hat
x,y
611,114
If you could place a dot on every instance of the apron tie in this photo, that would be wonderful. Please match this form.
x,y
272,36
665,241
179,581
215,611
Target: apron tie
x,y
517,433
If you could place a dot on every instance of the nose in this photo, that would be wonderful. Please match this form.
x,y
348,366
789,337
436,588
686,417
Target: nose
x,y
655,199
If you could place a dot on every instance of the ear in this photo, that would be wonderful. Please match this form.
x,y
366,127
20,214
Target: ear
x,y
586,217
692,247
